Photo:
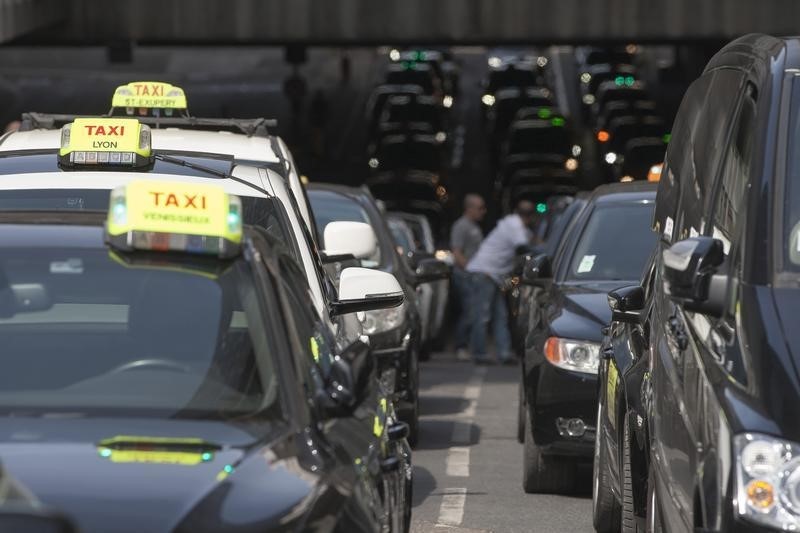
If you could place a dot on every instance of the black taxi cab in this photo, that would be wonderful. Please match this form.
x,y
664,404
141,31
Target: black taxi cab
x,y
168,357
720,450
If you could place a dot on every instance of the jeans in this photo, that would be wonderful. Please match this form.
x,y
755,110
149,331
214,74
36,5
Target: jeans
x,y
463,286
488,307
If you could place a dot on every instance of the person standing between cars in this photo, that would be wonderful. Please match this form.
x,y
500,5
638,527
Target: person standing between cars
x,y
465,239
490,265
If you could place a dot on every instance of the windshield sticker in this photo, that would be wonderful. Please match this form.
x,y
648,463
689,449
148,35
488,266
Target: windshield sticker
x,y
70,266
668,225
586,264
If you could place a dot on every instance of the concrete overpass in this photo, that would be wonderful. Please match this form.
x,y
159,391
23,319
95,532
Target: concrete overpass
x,y
343,22
20,17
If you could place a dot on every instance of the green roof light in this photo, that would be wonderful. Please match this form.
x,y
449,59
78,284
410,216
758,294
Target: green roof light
x,y
544,113
619,80
666,138
558,122
541,207
629,81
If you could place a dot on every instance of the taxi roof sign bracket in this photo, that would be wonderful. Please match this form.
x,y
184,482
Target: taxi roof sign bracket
x,y
252,127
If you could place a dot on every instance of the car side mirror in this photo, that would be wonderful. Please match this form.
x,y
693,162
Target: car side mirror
x,y
690,274
348,240
429,270
23,298
626,304
536,270
366,289
348,381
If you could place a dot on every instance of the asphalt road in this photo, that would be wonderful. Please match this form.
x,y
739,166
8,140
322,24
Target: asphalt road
x,y
468,465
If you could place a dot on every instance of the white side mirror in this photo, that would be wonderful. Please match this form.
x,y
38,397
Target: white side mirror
x,y
350,238
365,289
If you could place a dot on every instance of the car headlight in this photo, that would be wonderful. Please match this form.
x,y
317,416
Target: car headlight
x,y
579,356
382,320
768,480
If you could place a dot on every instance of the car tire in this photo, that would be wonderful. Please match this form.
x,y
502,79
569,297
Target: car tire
x,y
630,522
410,415
543,474
653,522
521,413
425,351
606,510
409,486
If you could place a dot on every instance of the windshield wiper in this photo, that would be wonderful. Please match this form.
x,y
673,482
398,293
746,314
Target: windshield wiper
x,y
219,174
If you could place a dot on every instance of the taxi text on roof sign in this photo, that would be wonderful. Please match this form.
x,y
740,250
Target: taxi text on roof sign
x,y
187,217
149,95
105,141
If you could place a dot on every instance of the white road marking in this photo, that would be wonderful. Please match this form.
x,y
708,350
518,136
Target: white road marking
x,y
451,512
457,462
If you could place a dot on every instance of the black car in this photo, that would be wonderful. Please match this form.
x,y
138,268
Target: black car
x,y
723,388
171,391
551,228
622,406
568,309
395,334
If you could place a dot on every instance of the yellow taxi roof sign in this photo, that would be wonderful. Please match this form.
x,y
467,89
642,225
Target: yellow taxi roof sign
x,y
149,95
176,216
100,141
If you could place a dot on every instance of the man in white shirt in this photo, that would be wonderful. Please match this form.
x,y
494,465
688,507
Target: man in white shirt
x,y
489,266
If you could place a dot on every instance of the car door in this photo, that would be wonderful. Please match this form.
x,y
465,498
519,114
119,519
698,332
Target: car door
x,y
358,439
675,342
715,343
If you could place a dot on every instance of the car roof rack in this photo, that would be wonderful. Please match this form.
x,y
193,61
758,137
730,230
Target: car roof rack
x,y
252,127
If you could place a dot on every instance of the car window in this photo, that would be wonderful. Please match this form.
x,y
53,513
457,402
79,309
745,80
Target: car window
x,y
600,254
709,137
730,190
115,333
678,163
332,207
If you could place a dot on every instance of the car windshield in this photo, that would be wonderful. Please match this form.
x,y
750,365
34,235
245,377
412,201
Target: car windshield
x,y
333,207
102,334
601,254
266,213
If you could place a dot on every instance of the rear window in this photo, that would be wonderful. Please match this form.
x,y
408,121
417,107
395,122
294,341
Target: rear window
x,y
615,244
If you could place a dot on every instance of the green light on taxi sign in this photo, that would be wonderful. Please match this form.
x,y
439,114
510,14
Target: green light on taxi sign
x,y
666,138
544,113
541,208
558,122
619,81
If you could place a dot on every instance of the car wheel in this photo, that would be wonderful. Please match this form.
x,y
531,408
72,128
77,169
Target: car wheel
x,y
521,413
410,415
630,522
542,473
407,510
425,351
605,507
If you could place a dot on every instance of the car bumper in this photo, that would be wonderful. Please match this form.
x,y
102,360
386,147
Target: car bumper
x,y
564,411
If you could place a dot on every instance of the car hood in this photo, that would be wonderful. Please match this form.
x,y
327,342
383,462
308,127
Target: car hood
x,y
580,311
244,485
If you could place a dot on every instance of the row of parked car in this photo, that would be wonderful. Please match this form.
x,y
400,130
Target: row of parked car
x,y
410,133
280,352
534,147
629,131
655,322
